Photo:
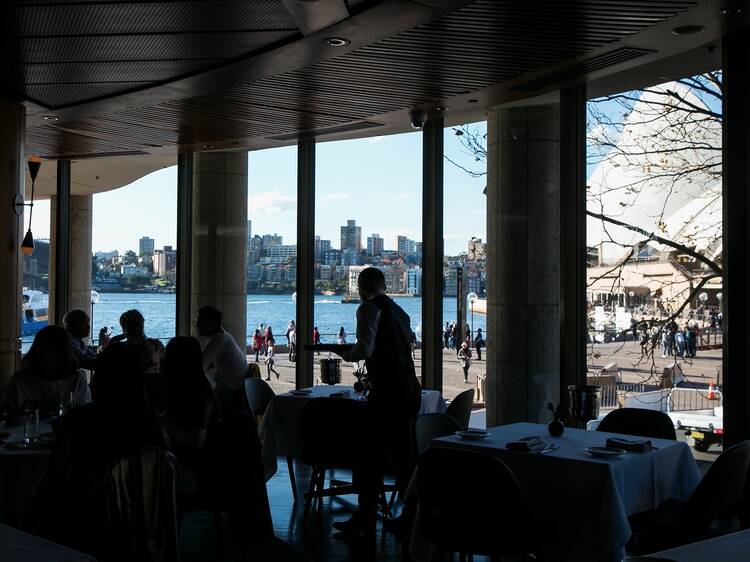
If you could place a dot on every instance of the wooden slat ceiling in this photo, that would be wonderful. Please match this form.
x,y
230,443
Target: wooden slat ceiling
x,y
65,53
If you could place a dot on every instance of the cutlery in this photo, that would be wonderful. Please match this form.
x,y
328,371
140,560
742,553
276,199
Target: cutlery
x,y
548,449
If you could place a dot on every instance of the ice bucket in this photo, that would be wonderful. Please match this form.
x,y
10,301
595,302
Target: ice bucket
x,y
330,370
584,402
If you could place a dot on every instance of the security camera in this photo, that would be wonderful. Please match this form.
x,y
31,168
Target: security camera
x,y
418,119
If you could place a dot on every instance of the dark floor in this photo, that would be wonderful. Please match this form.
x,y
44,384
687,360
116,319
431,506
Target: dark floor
x,y
310,540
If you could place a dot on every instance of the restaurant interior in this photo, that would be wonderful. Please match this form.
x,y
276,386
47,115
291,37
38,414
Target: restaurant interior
x,y
96,94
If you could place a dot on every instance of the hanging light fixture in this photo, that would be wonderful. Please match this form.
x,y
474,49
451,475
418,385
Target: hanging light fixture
x,y
27,246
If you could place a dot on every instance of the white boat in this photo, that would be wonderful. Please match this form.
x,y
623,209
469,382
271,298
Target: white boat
x,y
34,312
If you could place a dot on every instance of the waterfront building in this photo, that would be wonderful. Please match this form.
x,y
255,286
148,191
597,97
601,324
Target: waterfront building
x,y
414,281
270,240
332,257
281,254
133,270
164,261
351,256
145,246
395,280
106,256
321,247
352,273
351,236
406,246
374,245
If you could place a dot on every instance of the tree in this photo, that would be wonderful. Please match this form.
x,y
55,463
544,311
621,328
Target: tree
x,y
653,193
129,258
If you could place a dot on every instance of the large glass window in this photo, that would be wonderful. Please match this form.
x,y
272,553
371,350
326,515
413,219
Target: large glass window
x,y
464,263
271,263
134,262
654,252
368,214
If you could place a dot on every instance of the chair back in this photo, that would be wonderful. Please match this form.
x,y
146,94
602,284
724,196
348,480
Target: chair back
x,y
332,432
258,393
454,512
639,422
235,482
718,494
140,489
460,407
430,426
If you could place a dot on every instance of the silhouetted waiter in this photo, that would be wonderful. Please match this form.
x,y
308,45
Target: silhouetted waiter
x,y
384,342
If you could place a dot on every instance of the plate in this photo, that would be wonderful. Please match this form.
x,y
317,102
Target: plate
x,y
604,452
301,392
473,434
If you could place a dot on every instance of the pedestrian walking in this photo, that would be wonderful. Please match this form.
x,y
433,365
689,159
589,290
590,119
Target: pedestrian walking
x,y
446,335
270,362
464,357
479,343
341,338
292,346
257,344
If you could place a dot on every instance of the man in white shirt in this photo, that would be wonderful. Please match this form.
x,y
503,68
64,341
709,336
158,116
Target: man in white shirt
x,y
224,362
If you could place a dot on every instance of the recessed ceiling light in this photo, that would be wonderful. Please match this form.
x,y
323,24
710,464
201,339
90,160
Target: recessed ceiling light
x,y
442,108
207,146
336,41
51,118
688,29
472,100
731,11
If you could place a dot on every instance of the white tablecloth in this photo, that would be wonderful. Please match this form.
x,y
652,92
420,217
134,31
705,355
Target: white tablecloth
x,y
587,499
729,548
21,470
280,429
17,546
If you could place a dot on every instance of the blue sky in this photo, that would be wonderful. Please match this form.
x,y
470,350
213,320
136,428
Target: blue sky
x,y
376,181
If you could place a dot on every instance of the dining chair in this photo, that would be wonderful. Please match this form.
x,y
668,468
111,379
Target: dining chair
x,y
258,395
232,481
709,512
460,407
430,426
639,422
331,438
455,518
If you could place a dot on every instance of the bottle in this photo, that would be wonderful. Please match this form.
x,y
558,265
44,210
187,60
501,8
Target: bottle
x,y
27,430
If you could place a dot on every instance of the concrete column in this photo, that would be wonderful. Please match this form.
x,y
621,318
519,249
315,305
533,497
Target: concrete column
x,y
523,258
81,217
12,173
219,242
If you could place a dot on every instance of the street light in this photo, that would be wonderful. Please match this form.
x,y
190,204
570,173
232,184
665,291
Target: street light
x,y
471,297
94,300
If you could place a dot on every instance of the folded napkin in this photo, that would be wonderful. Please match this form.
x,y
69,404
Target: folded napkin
x,y
532,444
633,445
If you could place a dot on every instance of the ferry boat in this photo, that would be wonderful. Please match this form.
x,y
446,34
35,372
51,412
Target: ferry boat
x,y
348,298
34,312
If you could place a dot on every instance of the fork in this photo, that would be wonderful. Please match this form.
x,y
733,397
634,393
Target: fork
x,y
548,449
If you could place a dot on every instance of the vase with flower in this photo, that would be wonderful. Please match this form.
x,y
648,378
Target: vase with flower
x,y
556,427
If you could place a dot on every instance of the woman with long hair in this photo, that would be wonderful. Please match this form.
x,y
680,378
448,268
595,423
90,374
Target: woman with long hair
x,y
49,376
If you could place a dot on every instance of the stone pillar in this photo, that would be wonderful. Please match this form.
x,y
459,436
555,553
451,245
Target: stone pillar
x,y
523,259
81,221
12,173
219,242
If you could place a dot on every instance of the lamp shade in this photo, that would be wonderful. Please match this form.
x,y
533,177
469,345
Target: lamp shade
x,y
27,246
34,164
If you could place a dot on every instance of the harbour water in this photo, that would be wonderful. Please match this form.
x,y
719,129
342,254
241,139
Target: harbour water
x,y
276,310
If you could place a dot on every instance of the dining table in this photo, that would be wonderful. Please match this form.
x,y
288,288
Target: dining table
x,y
21,470
583,500
17,546
734,547
280,428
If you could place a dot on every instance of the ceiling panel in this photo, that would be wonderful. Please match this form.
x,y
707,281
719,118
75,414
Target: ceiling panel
x,y
483,44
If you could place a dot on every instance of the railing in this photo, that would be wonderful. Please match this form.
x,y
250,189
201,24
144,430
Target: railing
x,y
692,399
609,394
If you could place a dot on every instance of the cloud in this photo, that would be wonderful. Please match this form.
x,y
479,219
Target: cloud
x,y
335,197
271,203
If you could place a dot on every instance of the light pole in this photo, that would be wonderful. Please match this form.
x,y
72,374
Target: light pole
x,y
471,297
94,300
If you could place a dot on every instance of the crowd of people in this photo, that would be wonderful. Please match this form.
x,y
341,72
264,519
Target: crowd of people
x,y
673,340
132,394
